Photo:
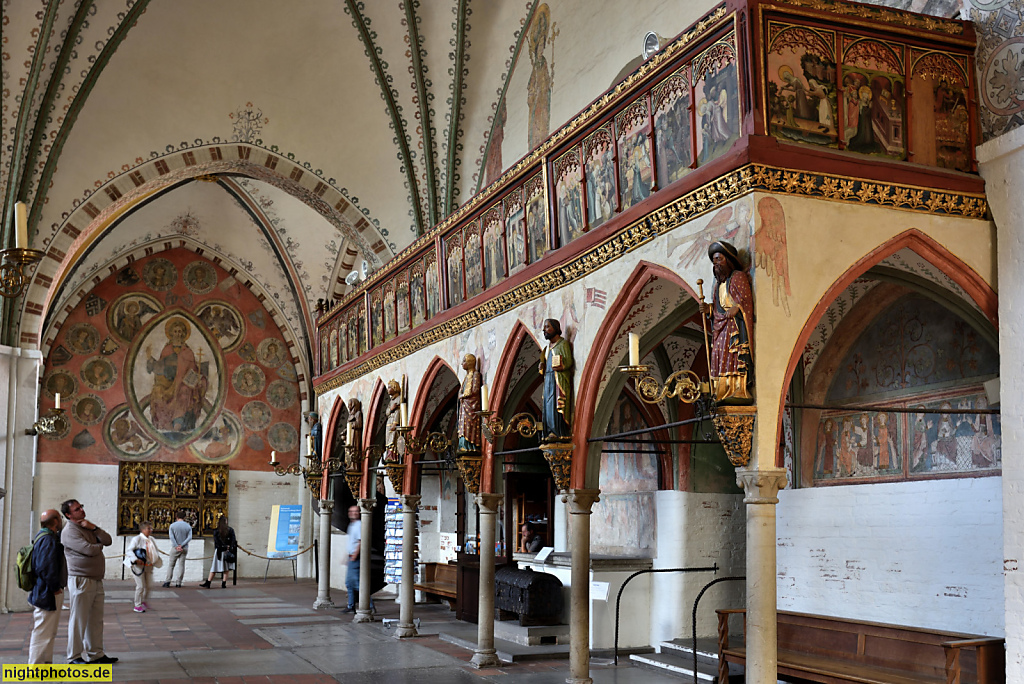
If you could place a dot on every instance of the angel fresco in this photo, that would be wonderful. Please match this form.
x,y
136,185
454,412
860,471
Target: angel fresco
x,y
772,254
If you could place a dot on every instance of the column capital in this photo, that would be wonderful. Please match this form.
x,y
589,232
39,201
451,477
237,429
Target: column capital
x,y
326,505
581,500
761,485
488,502
410,500
366,505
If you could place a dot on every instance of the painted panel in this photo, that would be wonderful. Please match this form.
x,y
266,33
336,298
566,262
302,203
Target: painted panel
x,y
568,196
673,130
388,315
494,246
402,301
801,90
432,285
636,173
536,218
377,317
453,252
474,260
716,91
515,231
598,154
940,122
418,302
874,98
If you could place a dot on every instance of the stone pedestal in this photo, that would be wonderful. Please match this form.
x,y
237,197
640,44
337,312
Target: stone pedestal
x,y
407,592
323,589
363,611
761,487
580,501
485,655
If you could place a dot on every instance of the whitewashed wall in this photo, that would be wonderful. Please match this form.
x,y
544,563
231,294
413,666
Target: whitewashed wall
x,y
1002,165
926,554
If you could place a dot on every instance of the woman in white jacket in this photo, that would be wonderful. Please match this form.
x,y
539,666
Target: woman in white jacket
x,y
142,571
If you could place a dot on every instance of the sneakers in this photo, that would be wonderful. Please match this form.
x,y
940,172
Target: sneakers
x,y
167,584
145,606
139,609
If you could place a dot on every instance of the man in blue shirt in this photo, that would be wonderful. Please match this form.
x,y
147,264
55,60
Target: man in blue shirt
x,y
180,534
47,596
352,573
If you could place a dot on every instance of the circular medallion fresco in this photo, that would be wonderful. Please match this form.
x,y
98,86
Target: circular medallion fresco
x,y
256,415
200,277
271,352
223,321
287,371
89,409
160,275
82,338
129,314
281,394
125,437
174,378
98,374
282,437
222,442
248,380
60,382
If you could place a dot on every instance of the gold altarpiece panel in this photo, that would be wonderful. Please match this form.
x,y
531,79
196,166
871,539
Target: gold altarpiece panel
x,y
156,491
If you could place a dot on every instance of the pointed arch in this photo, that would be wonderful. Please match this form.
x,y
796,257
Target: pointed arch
x,y
417,417
338,410
378,400
925,246
590,378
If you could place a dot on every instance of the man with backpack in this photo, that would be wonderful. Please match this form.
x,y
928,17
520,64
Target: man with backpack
x,y
47,596
83,548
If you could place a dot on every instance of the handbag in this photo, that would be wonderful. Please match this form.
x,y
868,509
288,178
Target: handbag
x,y
230,556
140,555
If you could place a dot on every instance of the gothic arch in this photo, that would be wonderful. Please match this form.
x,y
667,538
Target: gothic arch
x,y
338,412
936,254
378,403
418,417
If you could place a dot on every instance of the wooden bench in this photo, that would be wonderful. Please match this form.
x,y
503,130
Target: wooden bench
x,y
439,582
833,650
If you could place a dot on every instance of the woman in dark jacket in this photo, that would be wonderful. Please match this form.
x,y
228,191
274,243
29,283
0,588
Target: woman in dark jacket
x,y
226,554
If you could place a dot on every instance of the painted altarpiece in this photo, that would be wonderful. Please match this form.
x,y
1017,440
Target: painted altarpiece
x,y
515,230
456,281
157,491
636,170
874,97
474,260
801,91
417,295
568,196
601,195
673,126
494,246
402,301
716,92
377,317
537,229
388,311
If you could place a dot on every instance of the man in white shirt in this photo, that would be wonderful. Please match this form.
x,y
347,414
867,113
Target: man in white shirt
x,y
180,534
352,573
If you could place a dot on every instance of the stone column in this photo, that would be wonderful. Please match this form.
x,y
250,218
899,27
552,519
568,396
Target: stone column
x,y
485,655
323,589
406,627
761,487
580,502
363,612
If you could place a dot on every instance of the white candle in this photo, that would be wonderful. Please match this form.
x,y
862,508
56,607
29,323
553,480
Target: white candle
x,y
273,458
404,415
309,440
57,398
634,349
21,220
348,435
485,400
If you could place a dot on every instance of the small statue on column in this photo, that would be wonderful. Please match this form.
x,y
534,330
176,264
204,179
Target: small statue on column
x,y
393,413
354,434
731,315
469,427
557,367
316,433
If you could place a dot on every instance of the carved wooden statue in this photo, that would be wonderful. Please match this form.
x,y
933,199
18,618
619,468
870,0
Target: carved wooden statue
x,y
731,314
557,367
469,407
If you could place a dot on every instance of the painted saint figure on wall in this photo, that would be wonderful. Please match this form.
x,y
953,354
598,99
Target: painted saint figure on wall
x,y
542,75
732,313
469,406
557,367
179,384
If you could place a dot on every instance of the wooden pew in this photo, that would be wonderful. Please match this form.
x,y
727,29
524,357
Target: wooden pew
x,y
439,581
835,650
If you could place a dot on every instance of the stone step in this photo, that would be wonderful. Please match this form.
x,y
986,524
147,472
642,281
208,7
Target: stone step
x,y
707,649
676,665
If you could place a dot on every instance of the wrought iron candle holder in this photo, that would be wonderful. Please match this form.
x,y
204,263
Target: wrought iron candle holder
x,y
684,385
312,474
524,423
558,453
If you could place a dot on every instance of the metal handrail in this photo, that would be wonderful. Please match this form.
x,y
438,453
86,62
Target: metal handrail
x,y
618,598
695,602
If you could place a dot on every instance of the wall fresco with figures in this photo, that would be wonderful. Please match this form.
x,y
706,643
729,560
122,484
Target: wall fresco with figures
x,y
172,359
918,355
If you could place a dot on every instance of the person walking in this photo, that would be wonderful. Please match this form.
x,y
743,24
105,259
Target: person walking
x,y
225,556
83,550
47,596
141,558
180,534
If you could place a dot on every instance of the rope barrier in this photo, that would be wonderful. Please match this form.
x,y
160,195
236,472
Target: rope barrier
x,y
251,553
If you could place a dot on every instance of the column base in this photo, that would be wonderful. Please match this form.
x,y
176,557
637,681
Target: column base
x,y
363,616
485,659
405,631
579,680
323,604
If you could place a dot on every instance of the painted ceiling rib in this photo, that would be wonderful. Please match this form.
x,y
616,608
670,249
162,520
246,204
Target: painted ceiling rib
x,y
458,82
56,78
418,69
42,187
391,100
501,98
24,114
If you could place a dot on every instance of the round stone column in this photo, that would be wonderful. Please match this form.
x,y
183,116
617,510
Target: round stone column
x,y
485,655
323,589
761,487
363,612
580,501
407,592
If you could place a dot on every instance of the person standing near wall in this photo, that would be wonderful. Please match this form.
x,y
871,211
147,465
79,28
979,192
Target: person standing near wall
x,y
83,549
51,569
352,572
226,553
180,534
142,563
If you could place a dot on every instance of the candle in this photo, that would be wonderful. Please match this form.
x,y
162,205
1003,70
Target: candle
x,y
485,400
273,458
57,398
348,436
21,220
404,415
634,349
309,441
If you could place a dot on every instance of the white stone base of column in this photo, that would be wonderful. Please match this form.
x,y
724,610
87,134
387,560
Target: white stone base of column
x,y
485,659
363,616
406,631
323,604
